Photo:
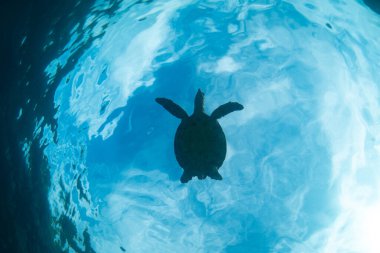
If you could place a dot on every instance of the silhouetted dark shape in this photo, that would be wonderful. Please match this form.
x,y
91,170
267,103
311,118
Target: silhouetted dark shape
x,y
200,144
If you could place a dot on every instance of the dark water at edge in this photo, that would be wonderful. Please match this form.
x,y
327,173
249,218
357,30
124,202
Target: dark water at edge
x,y
373,5
26,223
26,28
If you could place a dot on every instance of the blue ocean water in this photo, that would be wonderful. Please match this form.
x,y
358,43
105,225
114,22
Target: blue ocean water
x,y
302,167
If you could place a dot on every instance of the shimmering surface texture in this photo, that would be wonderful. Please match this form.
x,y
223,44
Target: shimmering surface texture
x,y
302,166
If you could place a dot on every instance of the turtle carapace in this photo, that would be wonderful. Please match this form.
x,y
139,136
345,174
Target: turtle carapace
x,y
199,144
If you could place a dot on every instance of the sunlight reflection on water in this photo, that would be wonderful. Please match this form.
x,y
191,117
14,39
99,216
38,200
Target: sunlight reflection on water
x,y
301,171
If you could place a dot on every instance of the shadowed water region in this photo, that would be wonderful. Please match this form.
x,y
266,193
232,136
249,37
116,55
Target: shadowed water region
x,y
88,158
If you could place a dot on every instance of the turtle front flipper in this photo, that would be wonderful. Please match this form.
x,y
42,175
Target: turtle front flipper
x,y
172,107
214,174
225,109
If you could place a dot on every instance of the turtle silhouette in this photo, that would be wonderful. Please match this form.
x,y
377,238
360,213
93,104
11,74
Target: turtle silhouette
x,y
199,144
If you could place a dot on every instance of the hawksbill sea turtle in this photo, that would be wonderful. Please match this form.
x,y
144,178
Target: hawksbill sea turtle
x,y
200,144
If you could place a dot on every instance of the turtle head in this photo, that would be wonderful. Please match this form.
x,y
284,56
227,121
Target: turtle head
x,y
199,102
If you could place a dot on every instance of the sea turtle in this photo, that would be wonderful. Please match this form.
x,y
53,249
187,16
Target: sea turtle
x,y
199,144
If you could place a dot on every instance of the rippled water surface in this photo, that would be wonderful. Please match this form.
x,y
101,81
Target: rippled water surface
x,y
303,157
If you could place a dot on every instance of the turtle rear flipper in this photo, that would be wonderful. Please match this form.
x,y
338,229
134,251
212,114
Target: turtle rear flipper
x,y
172,107
225,109
214,174
186,177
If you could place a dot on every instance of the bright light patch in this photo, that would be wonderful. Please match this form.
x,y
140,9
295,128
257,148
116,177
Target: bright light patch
x,y
226,64
367,228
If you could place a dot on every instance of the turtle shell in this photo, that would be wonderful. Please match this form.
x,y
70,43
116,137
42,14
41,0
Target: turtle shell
x,y
200,144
